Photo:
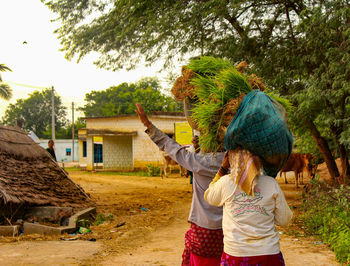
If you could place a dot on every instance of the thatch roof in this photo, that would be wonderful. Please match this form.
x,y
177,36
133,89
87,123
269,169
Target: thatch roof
x,y
28,174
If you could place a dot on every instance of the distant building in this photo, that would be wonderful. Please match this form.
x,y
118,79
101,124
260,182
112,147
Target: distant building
x,y
63,149
33,136
120,143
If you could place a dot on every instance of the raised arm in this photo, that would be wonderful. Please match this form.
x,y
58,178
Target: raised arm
x,y
143,116
203,164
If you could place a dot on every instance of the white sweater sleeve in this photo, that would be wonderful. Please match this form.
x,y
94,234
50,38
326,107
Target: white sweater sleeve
x,y
282,212
216,194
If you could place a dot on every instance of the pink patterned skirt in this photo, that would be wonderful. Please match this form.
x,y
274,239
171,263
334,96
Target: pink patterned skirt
x,y
264,260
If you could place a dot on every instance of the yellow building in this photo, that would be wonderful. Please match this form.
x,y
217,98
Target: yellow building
x,y
120,142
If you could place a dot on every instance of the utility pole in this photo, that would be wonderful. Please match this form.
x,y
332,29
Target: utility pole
x,y
72,131
52,113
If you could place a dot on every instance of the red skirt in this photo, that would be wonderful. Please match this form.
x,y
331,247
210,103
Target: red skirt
x,y
264,260
203,243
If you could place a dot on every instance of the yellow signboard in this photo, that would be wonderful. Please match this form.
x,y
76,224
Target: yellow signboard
x,y
183,133
98,140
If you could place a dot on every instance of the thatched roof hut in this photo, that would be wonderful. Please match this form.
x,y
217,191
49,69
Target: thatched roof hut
x,y
29,176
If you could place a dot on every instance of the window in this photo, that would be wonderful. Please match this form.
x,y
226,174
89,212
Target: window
x,y
84,149
68,151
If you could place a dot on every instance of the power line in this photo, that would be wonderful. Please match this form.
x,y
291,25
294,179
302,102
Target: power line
x,y
24,85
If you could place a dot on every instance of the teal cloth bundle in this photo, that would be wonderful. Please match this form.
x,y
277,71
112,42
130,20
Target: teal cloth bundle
x,y
260,126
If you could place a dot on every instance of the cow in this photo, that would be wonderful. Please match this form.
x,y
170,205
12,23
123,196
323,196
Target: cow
x,y
298,163
168,162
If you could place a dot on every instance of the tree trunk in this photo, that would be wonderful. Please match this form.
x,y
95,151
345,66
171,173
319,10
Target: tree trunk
x,y
324,149
344,162
343,154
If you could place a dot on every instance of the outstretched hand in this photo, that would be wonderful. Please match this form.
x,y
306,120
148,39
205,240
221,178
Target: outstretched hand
x,y
142,115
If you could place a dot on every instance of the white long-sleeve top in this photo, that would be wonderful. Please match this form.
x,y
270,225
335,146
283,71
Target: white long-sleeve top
x,y
249,221
204,167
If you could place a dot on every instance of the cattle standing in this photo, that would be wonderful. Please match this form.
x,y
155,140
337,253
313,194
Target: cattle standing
x,y
168,162
298,163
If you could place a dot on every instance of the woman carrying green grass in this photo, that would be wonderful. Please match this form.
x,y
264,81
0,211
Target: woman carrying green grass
x,y
258,143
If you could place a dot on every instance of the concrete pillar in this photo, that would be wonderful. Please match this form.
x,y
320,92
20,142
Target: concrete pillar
x,y
89,153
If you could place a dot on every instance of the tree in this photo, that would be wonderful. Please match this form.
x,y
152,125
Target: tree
x,y
5,90
121,99
313,71
66,132
35,113
330,80
278,38
131,30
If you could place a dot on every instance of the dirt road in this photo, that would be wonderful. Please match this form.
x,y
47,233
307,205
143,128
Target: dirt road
x,y
166,245
154,211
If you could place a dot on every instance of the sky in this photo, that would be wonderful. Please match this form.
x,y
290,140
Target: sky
x,y
39,64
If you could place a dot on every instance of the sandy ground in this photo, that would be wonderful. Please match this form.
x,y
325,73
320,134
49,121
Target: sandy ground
x,y
47,252
154,211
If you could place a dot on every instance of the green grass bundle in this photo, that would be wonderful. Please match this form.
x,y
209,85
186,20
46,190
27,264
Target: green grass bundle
x,y
218,88
207,65
216,83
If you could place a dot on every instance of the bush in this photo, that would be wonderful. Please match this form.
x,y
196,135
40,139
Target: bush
x,y
102,218
327,215
153,170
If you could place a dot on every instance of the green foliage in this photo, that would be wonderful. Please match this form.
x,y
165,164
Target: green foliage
x,y
4,68
66,131
301,48
153,170
5,89
304,143
84,223
308,67
313,71
129,31
102,218
35,112
121,99
327,215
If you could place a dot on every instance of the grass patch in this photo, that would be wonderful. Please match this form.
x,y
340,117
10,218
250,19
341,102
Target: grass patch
x,y
327,217
72,169
136,173
153,170
102,218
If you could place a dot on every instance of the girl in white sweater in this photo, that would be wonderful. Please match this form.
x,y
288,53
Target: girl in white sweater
x,y
252,204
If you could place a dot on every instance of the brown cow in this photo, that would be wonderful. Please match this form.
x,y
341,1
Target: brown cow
x,y
168,162
298,163
309,166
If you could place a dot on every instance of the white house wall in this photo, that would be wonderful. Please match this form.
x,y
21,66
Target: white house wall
x,y
144,150
60,149
117,153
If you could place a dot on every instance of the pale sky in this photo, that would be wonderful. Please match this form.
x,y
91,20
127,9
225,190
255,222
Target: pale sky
x,y
40,63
